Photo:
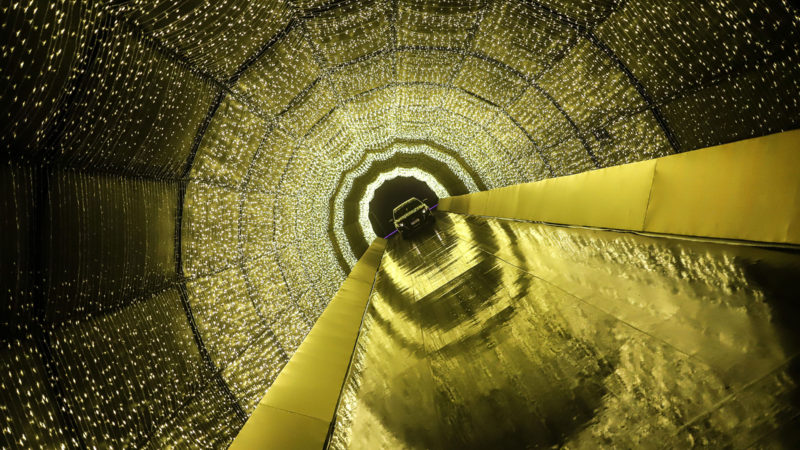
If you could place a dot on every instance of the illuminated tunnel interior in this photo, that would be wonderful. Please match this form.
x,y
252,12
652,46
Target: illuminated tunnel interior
x,y
187,184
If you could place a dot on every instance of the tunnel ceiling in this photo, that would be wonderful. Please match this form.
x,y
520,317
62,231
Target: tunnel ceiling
x,y
199,159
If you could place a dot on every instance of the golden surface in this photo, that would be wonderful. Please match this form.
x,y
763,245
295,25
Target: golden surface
x,y
269,428
488,333
297,409
615,197
743,190
746,190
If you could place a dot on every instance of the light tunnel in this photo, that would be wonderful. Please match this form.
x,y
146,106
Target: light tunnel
x,y
187,185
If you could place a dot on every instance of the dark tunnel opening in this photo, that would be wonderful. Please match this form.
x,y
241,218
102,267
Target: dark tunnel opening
x,y
392,193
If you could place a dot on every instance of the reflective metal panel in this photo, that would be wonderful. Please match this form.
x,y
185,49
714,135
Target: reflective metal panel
x,y
487,333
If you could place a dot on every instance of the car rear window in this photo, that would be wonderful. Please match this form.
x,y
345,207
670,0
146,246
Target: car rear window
x,y
406,207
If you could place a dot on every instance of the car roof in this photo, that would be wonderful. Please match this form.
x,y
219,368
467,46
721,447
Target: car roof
x,y
411,200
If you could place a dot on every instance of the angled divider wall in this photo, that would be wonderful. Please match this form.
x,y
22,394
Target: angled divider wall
x,y
298,409
746,190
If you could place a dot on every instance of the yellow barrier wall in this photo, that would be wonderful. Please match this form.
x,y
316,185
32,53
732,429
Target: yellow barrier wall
x,y
299,406
745,190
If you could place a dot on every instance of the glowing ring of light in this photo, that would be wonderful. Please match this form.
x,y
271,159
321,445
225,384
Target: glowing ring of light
x,y
369,194
346,251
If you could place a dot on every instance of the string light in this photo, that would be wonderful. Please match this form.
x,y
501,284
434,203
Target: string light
x,y
238,118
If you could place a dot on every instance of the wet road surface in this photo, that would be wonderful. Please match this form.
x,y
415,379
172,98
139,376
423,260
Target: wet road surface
x,y
487,333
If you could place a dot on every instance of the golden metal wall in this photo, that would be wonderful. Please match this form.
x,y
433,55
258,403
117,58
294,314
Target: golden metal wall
x,y
745,190
297,410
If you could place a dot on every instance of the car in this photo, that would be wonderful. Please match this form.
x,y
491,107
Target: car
x,y
411,215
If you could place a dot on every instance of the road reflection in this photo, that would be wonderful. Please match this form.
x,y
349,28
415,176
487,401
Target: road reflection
x,y
485,333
